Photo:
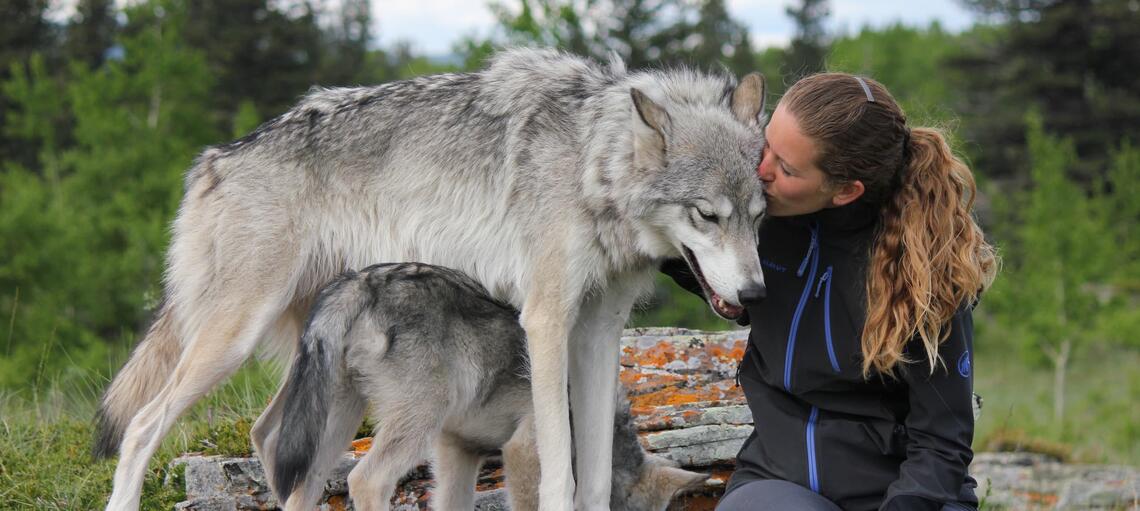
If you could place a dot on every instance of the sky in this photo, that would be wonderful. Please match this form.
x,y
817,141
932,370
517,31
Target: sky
x,y
433,26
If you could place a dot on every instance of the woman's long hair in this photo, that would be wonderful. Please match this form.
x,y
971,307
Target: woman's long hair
x,y
929,256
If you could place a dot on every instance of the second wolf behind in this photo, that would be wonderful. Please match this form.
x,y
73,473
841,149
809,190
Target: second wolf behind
x,y
445,369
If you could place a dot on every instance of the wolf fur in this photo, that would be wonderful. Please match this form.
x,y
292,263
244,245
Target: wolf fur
x,y
556,183
444,367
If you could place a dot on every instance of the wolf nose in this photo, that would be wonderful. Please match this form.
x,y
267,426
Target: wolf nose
x,y
753,293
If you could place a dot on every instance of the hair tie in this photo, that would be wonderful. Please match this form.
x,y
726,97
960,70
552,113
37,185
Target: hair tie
x,y
866,89
905,160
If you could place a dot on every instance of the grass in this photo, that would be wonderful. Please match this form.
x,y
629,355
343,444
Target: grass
x,y
45,444
45,436
1102,418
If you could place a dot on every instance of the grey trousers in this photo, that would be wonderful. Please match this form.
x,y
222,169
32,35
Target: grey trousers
x,y
776,495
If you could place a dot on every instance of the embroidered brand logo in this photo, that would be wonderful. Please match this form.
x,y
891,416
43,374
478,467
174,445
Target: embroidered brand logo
x,y
964,364
772,266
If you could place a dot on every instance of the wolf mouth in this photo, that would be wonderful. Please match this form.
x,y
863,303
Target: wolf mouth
x,y
719,305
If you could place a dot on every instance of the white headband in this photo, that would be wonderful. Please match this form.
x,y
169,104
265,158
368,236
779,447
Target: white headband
x,y
870,98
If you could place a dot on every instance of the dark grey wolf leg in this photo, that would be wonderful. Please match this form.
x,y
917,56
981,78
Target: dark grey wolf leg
x,y
344,419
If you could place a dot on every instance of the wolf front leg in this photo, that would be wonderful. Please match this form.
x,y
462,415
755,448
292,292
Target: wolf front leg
x,y
595,353
546,318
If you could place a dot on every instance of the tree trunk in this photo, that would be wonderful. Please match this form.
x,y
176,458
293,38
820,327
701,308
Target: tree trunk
x,y
1060,366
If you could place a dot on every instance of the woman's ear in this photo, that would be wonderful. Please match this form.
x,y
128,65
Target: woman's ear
x,y
847,193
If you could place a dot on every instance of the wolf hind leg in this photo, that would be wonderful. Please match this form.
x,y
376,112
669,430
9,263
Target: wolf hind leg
x,y
521,467
215,353
403,440
455,468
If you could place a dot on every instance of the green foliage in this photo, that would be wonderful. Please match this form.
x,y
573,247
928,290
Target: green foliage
x,y
246,119
672,305
91,32
1059,252
45,446
642,32
809,47
1102,424
904,59
90,231
1065,58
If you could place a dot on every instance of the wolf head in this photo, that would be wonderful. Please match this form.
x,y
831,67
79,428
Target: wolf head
x,y
657,483
707,197
643,481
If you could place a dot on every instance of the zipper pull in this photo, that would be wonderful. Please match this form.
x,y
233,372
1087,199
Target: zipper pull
x,y
812,247
824,278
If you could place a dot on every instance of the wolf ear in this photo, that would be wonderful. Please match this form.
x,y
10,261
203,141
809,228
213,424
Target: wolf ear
x,y
651,126
748,99
679,480
651,114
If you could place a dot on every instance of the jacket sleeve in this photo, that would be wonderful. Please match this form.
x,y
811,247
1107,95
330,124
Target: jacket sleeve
x,y
940,424
679,271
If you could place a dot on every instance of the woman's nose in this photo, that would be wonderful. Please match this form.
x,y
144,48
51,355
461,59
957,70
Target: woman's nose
x,y
765,170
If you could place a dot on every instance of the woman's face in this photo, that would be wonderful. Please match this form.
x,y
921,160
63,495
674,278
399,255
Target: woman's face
x,y
792,182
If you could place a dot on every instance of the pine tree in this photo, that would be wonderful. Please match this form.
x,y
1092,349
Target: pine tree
x,y
89,233
91,32
1058,251
23,32
809,46
1073,60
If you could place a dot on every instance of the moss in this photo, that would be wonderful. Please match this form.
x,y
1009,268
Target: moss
x,y
227,437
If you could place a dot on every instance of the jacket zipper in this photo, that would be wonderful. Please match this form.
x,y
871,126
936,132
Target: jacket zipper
x,y
826,278
813,255
813,470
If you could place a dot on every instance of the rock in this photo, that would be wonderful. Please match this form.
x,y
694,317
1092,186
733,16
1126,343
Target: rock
x,y
1037,481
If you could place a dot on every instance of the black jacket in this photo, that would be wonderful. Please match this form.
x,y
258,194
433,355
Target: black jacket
x,y
876,443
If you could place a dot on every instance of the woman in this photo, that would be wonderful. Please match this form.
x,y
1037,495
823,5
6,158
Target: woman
x,y
858,364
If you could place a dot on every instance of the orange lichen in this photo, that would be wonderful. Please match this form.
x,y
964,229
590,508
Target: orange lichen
x,y
490,480
1048,500
361,446
658,355
673,396
728,353
337,503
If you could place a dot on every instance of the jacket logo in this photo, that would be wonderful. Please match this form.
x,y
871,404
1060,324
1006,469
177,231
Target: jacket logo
x,y
964,364
767,263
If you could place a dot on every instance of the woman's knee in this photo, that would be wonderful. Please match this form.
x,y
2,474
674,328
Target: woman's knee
x,y
774,495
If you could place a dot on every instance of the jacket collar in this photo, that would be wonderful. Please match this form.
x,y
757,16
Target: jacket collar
x,y
846,219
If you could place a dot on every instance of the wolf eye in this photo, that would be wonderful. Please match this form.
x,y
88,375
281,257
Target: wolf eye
x,y
708,217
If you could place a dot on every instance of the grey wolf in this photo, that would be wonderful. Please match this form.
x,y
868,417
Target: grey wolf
x,y
557,183
444,367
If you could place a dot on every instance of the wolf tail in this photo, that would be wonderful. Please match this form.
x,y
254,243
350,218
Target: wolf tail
x,y
137,383
312,383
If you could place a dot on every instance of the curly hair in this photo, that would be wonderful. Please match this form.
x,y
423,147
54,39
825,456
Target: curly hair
x,y
929,256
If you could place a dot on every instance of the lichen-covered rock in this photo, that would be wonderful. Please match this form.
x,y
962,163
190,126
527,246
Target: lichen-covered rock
x,y
687,407
1037,481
